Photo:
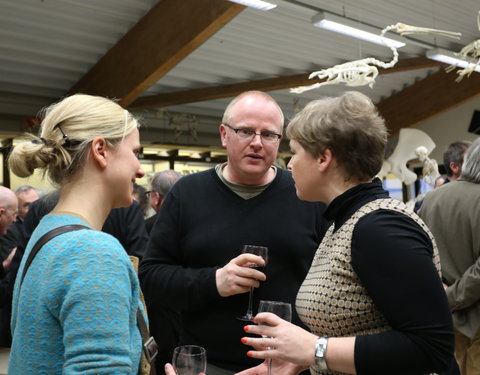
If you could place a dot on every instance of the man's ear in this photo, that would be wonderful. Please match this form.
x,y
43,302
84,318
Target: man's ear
x,y
455,168
324,160
2,211
223,135
99,151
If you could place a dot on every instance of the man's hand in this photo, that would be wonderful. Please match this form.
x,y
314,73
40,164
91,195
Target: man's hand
x,y
8,261
237,276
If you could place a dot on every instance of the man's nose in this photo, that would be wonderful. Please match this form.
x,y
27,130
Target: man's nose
x,y
257,140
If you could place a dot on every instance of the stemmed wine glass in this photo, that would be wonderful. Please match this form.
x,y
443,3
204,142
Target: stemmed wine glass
x,y
281,309
189,360
260,251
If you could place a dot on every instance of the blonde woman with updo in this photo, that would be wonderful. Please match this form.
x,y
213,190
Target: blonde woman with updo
x,y
373,298
75,312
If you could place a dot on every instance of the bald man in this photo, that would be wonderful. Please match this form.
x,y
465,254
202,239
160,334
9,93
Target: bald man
x,y
8,215
8,208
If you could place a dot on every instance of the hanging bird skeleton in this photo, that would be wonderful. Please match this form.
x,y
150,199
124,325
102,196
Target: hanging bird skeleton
x,y
364,72
470,52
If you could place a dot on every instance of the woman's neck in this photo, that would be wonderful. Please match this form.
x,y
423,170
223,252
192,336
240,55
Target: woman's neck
x,y
86,202
339,184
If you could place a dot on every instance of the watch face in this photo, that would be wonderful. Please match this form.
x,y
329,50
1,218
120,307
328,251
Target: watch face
x,y
321,346
320,351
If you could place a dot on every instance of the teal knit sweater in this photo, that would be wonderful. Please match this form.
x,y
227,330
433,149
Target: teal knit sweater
x,y
76,310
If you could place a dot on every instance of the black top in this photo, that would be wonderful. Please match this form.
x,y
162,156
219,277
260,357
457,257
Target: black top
x,y
9,240
203,225
150,221
392,256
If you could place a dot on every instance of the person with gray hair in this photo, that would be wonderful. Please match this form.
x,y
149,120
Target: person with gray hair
x,y
451,212
161,184
26,194
453,159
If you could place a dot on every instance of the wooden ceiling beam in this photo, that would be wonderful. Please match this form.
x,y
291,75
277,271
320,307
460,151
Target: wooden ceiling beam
x,y
159,41
268,84
427,98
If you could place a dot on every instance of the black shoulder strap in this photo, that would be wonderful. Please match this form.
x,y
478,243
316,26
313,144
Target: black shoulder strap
x,y
149,344
44,239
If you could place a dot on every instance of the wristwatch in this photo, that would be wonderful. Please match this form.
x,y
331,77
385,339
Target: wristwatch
x,y
320,353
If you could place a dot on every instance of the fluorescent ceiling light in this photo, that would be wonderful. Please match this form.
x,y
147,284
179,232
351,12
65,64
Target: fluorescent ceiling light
x,y
257,4
355,29
449,57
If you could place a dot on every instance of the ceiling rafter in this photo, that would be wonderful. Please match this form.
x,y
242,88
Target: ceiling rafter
x,y
267,84
427,98
160,40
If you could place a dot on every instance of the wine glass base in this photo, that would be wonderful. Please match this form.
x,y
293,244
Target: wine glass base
x,y
245,318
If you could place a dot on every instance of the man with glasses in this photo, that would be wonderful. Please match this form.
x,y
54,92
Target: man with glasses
x,y
193,262
161,184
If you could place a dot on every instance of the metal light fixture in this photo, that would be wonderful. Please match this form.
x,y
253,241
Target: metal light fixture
x,y
449,57
257,4
355,29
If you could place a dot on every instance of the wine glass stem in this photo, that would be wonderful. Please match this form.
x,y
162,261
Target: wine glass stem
x,y
250,303
270,366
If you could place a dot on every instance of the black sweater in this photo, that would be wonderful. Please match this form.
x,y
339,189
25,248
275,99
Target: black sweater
x,y
201,227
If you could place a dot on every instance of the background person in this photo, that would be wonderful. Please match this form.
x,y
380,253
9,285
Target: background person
x,y
81,316
138,194
368,315
8,248
451,212
453,159
161,184
193,261
26,195
8,215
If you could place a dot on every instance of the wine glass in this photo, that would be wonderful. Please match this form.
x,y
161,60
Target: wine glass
x,y
260,251
189,360
281,309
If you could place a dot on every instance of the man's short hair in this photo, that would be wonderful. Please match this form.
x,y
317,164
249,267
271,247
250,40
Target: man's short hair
x,y
25,189
163,181
454,153
228,111
471,165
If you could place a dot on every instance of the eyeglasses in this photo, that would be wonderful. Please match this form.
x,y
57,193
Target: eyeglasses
x,y
149,193
249,134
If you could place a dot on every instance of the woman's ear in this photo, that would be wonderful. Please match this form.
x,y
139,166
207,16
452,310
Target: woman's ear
x,y
324,160
99,151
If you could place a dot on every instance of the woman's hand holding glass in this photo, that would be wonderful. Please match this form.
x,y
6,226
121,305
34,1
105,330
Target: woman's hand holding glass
x,y
284,341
